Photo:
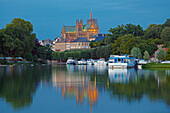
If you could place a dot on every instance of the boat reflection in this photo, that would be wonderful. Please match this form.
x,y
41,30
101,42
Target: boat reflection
x,y
121,75
88,69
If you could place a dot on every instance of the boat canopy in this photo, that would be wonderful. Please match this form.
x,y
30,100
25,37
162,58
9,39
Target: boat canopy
x,y
121,57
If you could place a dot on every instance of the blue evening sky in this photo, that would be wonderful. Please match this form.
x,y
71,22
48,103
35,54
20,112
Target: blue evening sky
x,y
48,16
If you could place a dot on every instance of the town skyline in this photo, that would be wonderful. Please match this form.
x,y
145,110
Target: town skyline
x,y
49,17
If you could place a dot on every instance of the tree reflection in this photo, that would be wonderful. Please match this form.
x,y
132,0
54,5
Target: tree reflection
x,y
18,84
155,85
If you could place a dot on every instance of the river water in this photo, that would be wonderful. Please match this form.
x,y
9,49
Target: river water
x,y
83,89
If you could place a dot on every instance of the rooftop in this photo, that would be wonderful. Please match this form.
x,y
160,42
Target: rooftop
x,y
81,39
99,37
72,29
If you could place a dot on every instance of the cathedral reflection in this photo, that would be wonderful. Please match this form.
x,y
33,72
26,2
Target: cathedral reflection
x,y
77,84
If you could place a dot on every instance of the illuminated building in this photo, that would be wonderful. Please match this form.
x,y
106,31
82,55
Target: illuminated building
x,y
88,30
66,44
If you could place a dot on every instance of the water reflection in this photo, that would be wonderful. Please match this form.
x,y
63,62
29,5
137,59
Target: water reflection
x,y
76,83
88,69
155,84
18,84
84,85
121,75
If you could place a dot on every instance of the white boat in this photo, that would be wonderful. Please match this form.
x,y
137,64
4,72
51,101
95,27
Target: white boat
x,y
100,61
125,61
70,61
165,62
142,62
90,62
76,61
82,62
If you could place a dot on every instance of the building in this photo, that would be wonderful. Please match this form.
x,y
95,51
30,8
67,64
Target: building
x,y
80,43
153,57
88,30
45,42
62,44
98,37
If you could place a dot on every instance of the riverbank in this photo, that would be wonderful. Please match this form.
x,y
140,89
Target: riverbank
x,y
156,65
22,63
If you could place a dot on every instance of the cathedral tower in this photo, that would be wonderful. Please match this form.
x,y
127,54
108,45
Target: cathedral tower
x,y
91,15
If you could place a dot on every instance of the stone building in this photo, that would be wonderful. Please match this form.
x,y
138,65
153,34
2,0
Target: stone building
x,y
88,30
80,43
60,44
63,44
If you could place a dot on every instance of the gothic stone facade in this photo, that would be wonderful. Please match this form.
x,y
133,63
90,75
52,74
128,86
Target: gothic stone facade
x,y
88,30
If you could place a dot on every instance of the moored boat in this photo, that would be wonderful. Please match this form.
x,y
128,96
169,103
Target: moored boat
x,y
125,61
90,62
70,61
82,62
100,61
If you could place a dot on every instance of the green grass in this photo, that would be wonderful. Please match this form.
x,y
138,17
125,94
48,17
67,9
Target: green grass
x,y
156,65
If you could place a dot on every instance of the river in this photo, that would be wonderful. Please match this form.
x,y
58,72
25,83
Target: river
x,y
83,89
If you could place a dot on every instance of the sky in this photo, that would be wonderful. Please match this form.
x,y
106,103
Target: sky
x,y
49,16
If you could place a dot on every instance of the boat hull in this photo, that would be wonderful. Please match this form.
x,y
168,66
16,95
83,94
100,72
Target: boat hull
x,y
120,65
73,63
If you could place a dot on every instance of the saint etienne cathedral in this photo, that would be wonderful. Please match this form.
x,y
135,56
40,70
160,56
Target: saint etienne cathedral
x,y
88,30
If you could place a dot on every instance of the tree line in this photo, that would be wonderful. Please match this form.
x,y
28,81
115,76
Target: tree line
x,y
95,53
125,38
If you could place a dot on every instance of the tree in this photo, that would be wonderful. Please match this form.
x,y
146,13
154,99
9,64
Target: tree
x,y
17,38
98,52
29,57
41,53
147,45
167,57
153,31
92,44
146,56
6,44
93,53
136,52
133,29
167,23
165,35
124,44
56,55
107,50
120,31
48,52
160,54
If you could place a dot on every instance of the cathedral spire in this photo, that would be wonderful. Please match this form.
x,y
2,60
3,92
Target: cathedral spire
x,y
91,14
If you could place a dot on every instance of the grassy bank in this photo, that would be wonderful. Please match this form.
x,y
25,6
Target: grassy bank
x,y
156,65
